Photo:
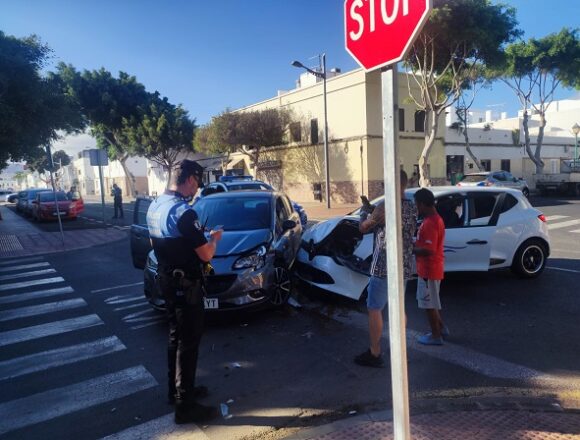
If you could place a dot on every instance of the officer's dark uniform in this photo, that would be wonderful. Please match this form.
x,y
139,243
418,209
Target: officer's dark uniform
x,y
175,233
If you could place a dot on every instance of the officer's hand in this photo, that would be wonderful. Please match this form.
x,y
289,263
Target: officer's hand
x,y
216,235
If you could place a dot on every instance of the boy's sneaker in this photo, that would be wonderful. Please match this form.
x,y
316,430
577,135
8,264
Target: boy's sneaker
x,y
429,339
367,359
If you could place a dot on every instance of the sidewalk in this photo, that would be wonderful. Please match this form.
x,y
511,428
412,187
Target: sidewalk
x,y
318,211
478,421
20,238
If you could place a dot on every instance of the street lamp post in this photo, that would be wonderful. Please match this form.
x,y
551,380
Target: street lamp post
x,y
323,76
576,130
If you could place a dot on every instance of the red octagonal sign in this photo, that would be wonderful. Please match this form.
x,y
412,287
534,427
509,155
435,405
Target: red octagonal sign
x,y
379,32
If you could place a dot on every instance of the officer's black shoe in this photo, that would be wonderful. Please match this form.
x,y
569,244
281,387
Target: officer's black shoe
x,y
191,412
199,392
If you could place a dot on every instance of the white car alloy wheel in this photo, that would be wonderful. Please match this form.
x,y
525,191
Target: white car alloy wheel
x,y
530,259
282,286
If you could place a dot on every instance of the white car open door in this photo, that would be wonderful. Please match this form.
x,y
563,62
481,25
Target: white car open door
x,y
470,221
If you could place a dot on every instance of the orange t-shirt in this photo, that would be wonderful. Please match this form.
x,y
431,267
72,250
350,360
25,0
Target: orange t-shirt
x,y
431,236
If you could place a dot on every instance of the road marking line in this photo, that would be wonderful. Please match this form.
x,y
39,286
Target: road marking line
x,y
563,224
31,283
556,217
161,428
50,329
24,266
45,360
124,299
132,306
34,273
158,321
20,260
116,287
576,231
467,358
19,297
142,319
41,309
562,269
17,414
141,313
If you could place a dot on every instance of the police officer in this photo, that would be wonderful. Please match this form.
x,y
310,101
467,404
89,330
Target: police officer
x,y
117,194
182,249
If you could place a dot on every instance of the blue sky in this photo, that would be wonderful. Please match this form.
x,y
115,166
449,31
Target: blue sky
x,y
213,54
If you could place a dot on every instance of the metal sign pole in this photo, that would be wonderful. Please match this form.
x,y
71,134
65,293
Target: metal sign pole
x,y
394,245
51,164
102,192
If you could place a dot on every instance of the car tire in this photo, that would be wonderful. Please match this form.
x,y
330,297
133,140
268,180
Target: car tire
x,y
282,286
526,193
530,259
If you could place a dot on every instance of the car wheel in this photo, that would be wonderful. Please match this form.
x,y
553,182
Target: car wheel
x,y
526,193
282,286
530,259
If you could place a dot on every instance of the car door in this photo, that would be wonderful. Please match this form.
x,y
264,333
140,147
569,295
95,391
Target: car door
x,y
285,244
468,241
140,243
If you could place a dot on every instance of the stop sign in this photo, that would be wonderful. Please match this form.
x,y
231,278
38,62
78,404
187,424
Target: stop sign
x,y
379,32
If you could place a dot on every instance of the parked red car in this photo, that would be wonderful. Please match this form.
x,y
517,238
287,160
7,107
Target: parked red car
x,y
77,204
44,207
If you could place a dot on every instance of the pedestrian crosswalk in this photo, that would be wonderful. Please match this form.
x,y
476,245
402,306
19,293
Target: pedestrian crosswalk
x,y
135,310
45,327
556,222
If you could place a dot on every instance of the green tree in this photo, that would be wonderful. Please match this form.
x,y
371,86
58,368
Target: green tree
x,y
35,108
43,167
460,36
249,132
108,104
161,132
534,69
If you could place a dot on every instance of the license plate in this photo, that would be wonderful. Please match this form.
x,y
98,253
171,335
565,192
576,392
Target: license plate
x,y
58,213
211,303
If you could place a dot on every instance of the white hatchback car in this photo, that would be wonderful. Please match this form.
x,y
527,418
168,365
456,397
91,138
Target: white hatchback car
x,y
485,229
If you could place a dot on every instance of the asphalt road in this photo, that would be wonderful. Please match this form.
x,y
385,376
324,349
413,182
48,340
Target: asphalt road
x,y
509,338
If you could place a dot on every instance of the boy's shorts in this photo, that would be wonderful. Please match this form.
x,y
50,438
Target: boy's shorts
x,y
377,293
428,294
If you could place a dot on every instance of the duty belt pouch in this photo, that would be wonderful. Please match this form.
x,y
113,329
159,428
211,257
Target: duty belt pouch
x,y
192,291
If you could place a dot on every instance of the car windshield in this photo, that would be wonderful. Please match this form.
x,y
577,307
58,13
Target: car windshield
x,y
474,178
49,197
235,213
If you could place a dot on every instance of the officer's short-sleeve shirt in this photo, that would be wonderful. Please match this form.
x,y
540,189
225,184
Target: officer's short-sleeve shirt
x,y
175,232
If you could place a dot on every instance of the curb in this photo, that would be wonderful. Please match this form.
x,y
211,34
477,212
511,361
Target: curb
x,y
449,405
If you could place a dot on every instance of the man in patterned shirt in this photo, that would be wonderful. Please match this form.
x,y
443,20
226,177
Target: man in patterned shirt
x,y
377,288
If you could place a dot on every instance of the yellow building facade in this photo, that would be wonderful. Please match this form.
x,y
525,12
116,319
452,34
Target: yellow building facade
x,y
354,104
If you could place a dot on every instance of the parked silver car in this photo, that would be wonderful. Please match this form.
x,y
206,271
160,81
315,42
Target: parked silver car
x,y
495,178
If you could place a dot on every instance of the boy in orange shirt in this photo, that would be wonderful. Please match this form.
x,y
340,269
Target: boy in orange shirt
x,y
430,260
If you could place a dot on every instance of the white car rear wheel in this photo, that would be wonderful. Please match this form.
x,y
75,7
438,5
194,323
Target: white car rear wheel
x,y
530,259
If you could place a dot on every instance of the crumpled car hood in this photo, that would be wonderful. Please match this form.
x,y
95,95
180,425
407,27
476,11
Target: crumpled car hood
x,y
239,242
321,230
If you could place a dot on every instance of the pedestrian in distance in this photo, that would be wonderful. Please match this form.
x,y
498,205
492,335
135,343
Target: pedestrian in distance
x,y
182,250
430,264
377,289
117,194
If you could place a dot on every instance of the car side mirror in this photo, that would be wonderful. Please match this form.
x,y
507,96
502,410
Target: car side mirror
x,y
516,179
288,224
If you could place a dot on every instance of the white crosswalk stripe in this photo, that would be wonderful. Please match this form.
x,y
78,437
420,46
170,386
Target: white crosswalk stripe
x,y
556,217
46,360
31,283
576,231
566,224
26,296
34,273
41,309
24,266
12,262
54,403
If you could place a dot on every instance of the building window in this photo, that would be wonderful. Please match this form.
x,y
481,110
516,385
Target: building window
x,y
295,132
420,121
506,165
314,131
401,119
486,164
